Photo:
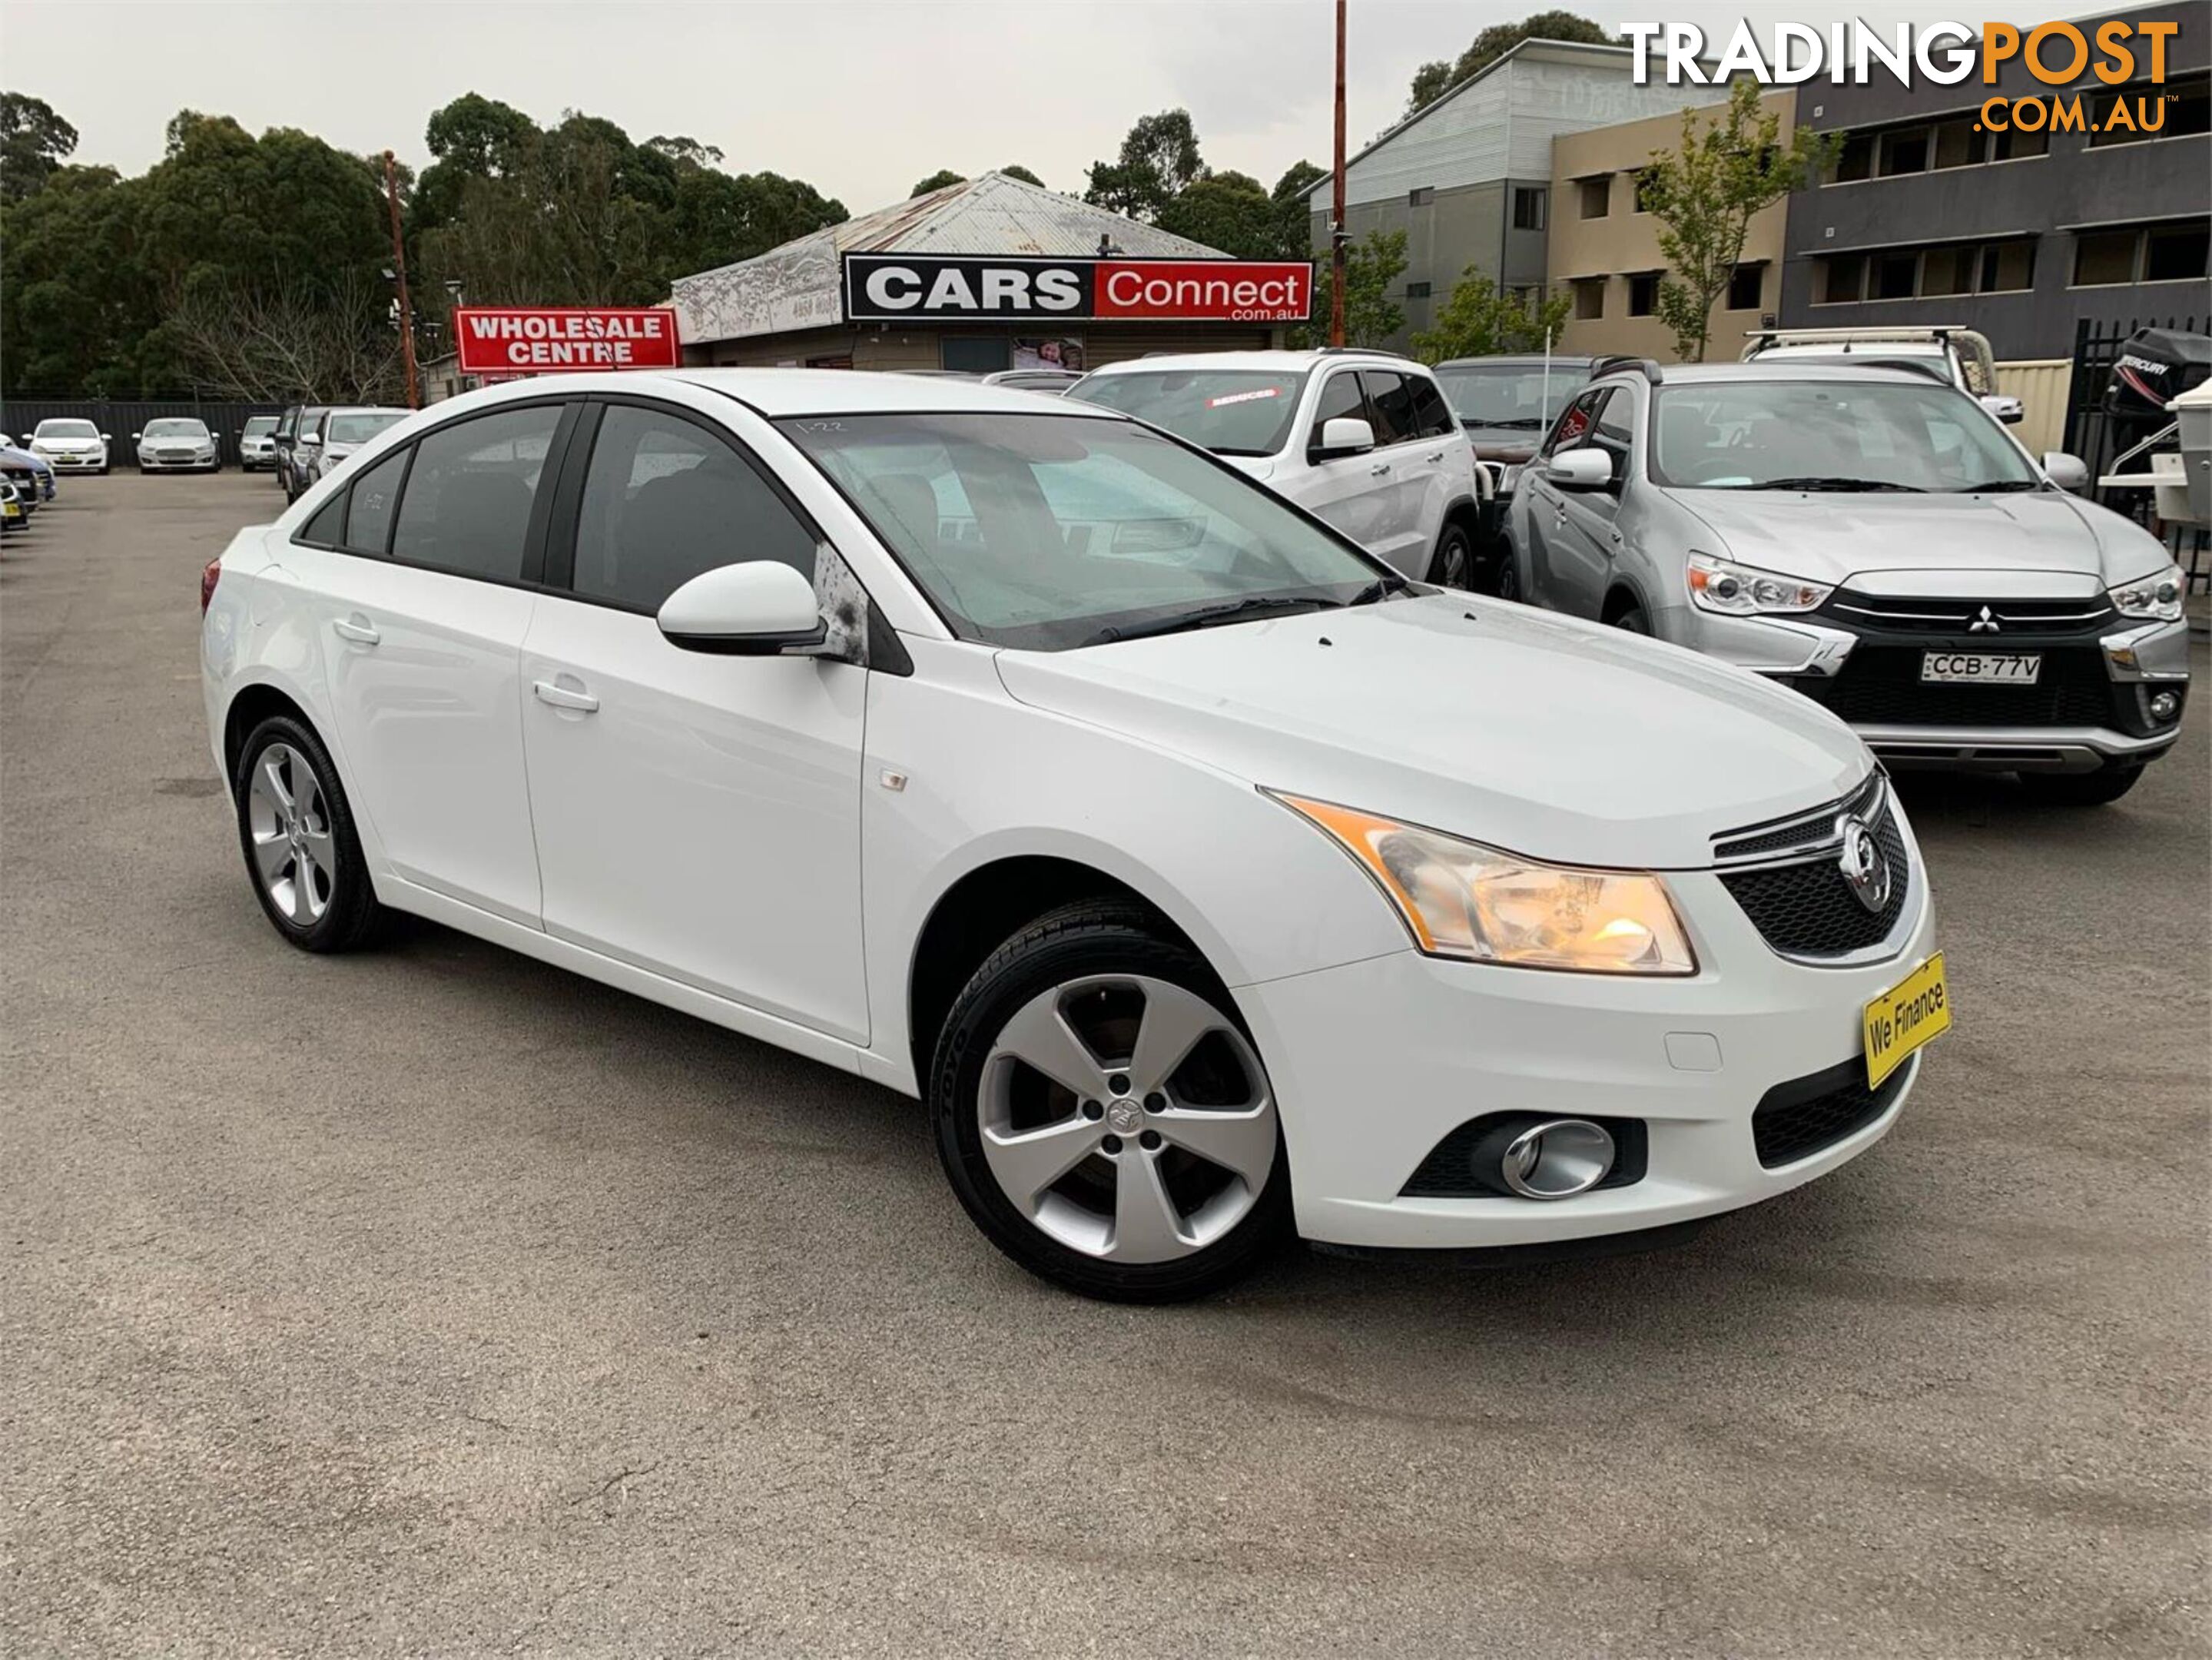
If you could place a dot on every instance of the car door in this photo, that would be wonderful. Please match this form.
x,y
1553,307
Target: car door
x,y
1547,559
1414,481
1586,552
697,815
1351,492
423,588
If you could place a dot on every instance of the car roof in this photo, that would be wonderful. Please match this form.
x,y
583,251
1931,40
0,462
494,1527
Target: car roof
x,y
1701,373
1278,361
777,392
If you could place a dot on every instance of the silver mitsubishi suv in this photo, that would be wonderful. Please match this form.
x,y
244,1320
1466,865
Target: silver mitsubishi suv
x,y
1876,540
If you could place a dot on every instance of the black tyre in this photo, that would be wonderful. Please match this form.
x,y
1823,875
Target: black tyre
x,y
1508,576
296,832
1632,620
1452,566
2079,789
1103,1116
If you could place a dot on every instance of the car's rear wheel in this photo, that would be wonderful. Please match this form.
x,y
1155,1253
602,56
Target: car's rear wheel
x,y
1453,565
1103,1113
296,831
2079,789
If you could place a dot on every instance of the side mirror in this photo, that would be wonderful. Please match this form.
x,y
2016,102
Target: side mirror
x,y
135,436
2007,409
105,439
1343,434
761,608
310,438
2069,472
1585,469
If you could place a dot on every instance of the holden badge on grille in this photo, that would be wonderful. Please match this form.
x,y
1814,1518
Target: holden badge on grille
x,y
1866,872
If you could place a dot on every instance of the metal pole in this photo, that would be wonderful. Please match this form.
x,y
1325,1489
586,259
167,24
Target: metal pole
x,y
399,270
1336,237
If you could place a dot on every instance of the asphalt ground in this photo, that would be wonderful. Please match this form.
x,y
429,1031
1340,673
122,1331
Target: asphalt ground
x,y
434,1301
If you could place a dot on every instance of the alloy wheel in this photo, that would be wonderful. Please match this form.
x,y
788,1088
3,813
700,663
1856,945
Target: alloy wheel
x,y
294,853
1126,1118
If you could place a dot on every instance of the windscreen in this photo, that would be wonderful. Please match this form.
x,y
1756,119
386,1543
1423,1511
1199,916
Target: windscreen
x,y
1509,397
359,426
1229,412
66,429
176,426
257,424
1830,434
1049,532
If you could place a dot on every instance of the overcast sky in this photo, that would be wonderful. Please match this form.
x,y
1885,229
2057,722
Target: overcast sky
x,y
860,98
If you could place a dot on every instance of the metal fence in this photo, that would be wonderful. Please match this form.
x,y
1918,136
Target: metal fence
x,y
2091,434
120,418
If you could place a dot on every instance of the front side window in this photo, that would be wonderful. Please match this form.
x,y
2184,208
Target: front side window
x,y
1049,533
1615,431
1831,435
466,508
1574,422
1229,412
664,500
1340,399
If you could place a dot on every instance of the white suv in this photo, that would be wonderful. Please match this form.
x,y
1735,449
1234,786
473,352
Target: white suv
x,y
1363,440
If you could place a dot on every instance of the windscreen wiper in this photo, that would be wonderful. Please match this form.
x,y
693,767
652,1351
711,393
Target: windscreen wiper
x,y
1235,610
1381,588
1999,487
1832,485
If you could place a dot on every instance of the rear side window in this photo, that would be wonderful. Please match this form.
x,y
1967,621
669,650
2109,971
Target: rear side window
x,y
373,496
327,528
1394,422
1433,417
467,504
665,500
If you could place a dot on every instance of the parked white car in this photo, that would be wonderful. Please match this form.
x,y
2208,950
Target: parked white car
x,y
257,444
341,431
1363,440
177,444
1014,754
70,446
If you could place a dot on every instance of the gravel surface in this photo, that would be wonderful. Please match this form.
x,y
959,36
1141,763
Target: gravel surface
x,y
435,1301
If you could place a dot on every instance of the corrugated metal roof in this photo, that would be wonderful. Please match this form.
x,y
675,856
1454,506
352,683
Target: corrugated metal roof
x,y
798,286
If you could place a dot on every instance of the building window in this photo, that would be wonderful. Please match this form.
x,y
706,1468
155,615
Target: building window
x,y
1958,142
981,354
1747,285
1842,279
1420,196
1948,270
1904,151
2013,145
1417,290
1896,276
1527,208
1643,293
1644,193
1589,298
2181,109
1597,196
2177,253
2103,257
1856,161
1956,268
2008,267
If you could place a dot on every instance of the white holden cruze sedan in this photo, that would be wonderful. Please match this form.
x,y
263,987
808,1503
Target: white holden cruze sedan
x,y
1210,882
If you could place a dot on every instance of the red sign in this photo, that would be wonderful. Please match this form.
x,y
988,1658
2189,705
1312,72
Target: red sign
x,y
511,340
1247,290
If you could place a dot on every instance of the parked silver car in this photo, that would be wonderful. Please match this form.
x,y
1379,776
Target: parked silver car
x,y
1877,541
339,432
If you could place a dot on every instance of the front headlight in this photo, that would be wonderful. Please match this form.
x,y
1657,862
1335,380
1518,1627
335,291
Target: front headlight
x,y
1464,900
2155,597
1735,590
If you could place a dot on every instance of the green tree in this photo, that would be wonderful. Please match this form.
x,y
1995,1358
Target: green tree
x,y
1704,193
937,180
1480,320
1159,160
1023,174
1230,211
1372,266
1433,80
33,142
472,137
1293,213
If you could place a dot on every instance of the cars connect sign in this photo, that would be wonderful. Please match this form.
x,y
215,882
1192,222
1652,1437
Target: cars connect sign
x,y
509,340
890,288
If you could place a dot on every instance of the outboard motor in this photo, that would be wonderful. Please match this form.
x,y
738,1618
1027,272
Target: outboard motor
x,y
2154,367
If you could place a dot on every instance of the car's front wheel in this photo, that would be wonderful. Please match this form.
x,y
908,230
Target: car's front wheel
x,y
2079,789
296,831
1104,1115
1453,566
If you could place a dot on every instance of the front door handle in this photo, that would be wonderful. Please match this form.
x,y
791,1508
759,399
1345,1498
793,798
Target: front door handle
x,y
1379,469
562,698
360,632
1438,456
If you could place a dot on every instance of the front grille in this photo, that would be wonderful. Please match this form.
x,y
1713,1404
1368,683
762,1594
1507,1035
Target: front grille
x,y
1780,834
1796,1120
1880,686
1947,618
1808,910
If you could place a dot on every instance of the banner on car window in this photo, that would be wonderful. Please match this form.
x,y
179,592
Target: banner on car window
x,y
511,340
890,287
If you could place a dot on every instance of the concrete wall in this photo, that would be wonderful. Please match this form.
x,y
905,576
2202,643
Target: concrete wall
x,y
1624,242
2051,197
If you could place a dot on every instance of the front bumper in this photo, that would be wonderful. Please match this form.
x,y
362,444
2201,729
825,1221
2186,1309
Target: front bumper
x,y
74,463
178,463
1374,1063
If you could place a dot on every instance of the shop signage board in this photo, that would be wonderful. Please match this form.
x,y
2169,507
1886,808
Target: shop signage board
x,y
510,340
890,287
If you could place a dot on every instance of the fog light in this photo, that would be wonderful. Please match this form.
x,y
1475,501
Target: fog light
x,y
1552,1158
2164,705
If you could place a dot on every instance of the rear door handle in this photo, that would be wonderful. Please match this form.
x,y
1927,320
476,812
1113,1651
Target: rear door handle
x,y
1379,469
1438,456
360,633
562,698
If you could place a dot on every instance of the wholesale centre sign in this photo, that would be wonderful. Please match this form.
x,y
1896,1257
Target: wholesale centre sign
x,y
505,340
889,288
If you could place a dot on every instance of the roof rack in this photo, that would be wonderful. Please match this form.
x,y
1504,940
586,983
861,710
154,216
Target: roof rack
x,y
1360,351
1621,363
